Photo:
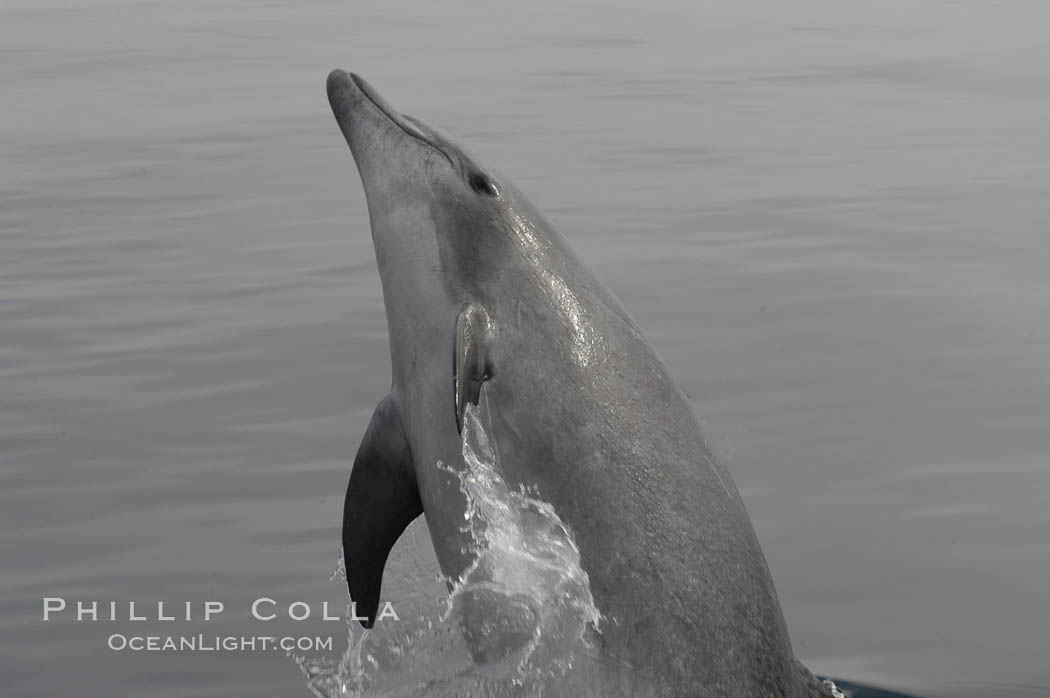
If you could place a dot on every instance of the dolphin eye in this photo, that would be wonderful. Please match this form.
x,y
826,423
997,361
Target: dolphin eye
x,y
482,184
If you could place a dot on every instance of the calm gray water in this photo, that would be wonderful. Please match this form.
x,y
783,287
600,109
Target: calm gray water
x,y
830,219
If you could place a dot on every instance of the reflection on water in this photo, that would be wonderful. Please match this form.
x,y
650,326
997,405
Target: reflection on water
x,y
829,219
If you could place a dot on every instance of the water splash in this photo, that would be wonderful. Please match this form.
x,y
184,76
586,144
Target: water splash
x,y
526,578
520,616
329,678
831,688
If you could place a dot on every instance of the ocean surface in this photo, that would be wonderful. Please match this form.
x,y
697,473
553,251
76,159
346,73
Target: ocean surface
x,y
831,218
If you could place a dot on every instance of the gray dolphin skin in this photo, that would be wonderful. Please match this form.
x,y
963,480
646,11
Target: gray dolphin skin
x,y
484,298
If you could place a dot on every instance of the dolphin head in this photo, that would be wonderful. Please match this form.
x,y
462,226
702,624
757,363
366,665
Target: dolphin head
x,y
446,229
422,189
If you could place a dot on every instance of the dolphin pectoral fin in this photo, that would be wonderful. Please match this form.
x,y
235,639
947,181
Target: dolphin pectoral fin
x,y
382,499
470,365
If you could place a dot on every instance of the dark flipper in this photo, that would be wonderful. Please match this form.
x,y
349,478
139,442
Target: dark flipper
x,y
381,500
470,365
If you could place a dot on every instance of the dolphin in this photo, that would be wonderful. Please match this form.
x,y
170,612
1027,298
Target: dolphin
x,y
484,298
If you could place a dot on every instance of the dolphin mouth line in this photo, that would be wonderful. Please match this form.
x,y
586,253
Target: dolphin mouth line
x,y
397,119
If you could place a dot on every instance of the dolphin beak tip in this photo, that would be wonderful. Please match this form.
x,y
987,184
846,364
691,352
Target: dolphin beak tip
x,y
337,82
